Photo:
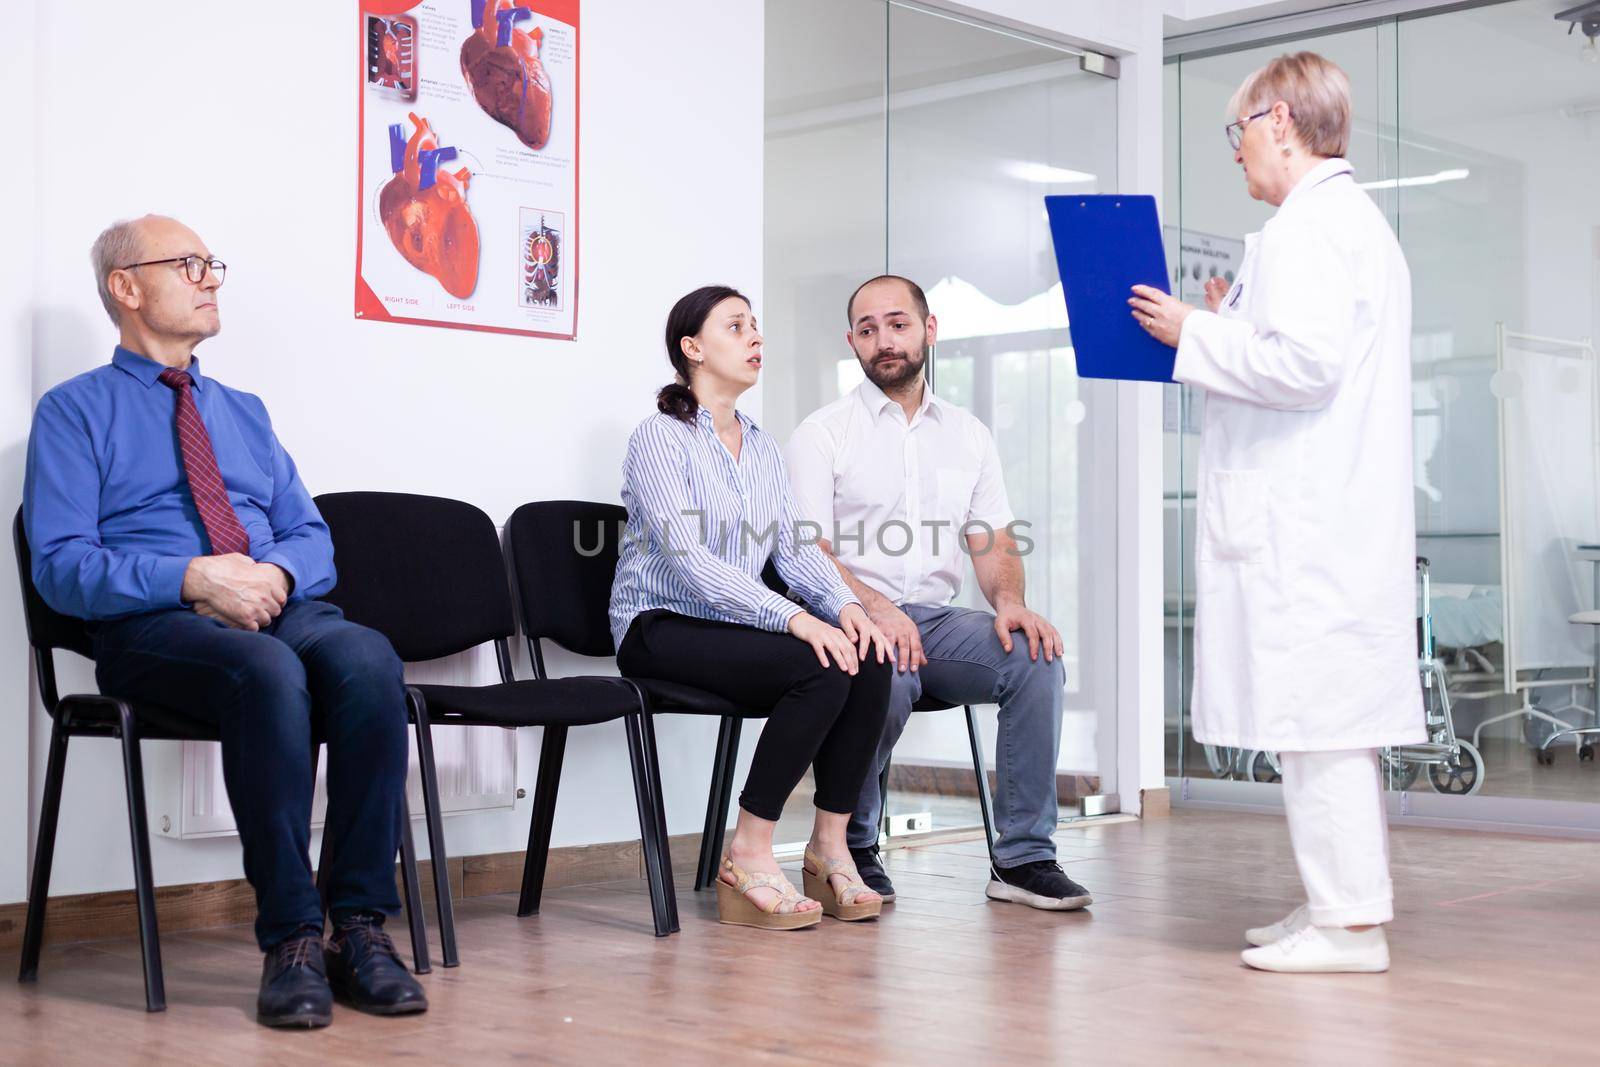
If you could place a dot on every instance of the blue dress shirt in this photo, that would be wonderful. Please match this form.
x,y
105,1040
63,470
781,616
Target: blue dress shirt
x,y
702,525
107,507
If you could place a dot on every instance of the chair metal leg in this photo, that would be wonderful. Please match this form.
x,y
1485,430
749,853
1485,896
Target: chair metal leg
x,y
435,824
551,751
710,838
720,800
883,798
647,729
983,779
44,854
412,885
325,853
730,762
155,993
643,800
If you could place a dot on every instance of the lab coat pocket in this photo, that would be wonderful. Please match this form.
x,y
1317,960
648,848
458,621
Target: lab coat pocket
x,y
1234,526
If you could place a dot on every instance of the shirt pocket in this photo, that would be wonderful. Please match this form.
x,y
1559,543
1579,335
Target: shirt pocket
x,y
954,486
1234,525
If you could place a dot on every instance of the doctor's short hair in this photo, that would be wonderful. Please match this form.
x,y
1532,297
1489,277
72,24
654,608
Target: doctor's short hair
x,y
1318,95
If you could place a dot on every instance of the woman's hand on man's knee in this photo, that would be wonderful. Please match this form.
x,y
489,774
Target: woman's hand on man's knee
x,y
826,641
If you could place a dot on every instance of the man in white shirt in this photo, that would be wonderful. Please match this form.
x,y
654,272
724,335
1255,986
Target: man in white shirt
x,y
901,484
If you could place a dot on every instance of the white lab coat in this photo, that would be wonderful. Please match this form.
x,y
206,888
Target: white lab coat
x,y
1305,622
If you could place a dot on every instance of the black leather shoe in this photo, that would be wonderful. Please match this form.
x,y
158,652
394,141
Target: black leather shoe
x,y
365,970
869,864
294,984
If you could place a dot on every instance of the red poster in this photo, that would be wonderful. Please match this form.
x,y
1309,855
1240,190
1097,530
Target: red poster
x,y
467,199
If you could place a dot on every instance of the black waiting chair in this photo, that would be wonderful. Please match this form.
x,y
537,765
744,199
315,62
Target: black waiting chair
x,y
429,574
927,703
563,559
105,715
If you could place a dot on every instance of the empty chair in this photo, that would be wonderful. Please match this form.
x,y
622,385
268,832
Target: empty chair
x,y
428,573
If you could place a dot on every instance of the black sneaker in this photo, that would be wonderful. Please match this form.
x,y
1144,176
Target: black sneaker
x,y
365,970
869,864
1042,885
294,983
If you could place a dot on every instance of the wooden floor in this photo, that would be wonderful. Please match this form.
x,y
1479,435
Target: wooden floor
x,y
1510,770
1496,960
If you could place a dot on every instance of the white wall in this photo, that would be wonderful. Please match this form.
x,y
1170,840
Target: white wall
x,y
16,375
264,167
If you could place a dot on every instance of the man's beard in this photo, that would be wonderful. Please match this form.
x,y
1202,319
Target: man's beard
x,y
900,373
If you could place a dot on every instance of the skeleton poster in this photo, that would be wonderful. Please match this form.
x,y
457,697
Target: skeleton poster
x,y
467,214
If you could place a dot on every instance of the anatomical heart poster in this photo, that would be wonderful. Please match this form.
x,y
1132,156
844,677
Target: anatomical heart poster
x,y
468,175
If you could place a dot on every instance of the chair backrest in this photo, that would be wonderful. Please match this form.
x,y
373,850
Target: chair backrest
x,y
424,571
563,559
47,627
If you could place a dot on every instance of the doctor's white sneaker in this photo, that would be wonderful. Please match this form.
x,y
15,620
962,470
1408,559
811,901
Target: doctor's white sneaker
x,y
1266,935
1323,950
1042,884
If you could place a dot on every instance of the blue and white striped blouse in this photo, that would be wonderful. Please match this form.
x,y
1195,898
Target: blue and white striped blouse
x,y
701,526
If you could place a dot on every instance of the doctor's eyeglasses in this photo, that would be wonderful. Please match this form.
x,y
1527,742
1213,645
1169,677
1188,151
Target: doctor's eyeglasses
x,y
1235,130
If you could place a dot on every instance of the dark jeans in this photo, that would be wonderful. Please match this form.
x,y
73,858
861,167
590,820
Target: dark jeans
x,y
821,716
311,671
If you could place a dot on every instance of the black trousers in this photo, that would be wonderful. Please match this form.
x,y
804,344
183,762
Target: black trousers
x,y
265,690
821,716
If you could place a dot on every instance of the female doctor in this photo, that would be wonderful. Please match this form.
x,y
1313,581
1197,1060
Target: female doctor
x,y
1305,625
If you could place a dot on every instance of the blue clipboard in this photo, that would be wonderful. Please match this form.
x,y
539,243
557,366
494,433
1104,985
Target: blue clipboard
x,y
1105,245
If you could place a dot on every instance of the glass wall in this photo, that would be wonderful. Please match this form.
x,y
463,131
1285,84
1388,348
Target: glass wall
x,y
923,145
1478,132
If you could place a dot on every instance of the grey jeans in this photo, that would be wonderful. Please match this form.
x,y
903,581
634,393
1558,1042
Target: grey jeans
x,y
967,665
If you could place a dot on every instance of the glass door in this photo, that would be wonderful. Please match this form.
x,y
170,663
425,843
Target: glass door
x,y
982,126
1478,132
825,216
923,145
1499,140
1208,213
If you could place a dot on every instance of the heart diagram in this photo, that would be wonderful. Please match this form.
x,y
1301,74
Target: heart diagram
x,y
501,65
425,211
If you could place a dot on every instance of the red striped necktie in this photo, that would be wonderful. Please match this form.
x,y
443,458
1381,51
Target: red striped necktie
x,y
222,524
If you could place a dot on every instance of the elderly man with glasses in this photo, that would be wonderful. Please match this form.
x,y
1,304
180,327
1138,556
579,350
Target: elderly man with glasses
x,y
162,508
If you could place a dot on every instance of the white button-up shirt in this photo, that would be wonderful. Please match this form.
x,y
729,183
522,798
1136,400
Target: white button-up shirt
x,y
895,497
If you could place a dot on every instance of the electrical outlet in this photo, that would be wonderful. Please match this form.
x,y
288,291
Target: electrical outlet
x,y
914,822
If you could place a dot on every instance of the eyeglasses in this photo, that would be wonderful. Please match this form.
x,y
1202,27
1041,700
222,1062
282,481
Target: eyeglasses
x,y
194,267
1235,130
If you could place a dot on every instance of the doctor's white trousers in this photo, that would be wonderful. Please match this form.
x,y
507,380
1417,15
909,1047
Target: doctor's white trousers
x,y
1340,831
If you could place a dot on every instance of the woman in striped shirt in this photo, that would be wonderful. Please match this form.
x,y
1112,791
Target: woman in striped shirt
x,y
708,504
